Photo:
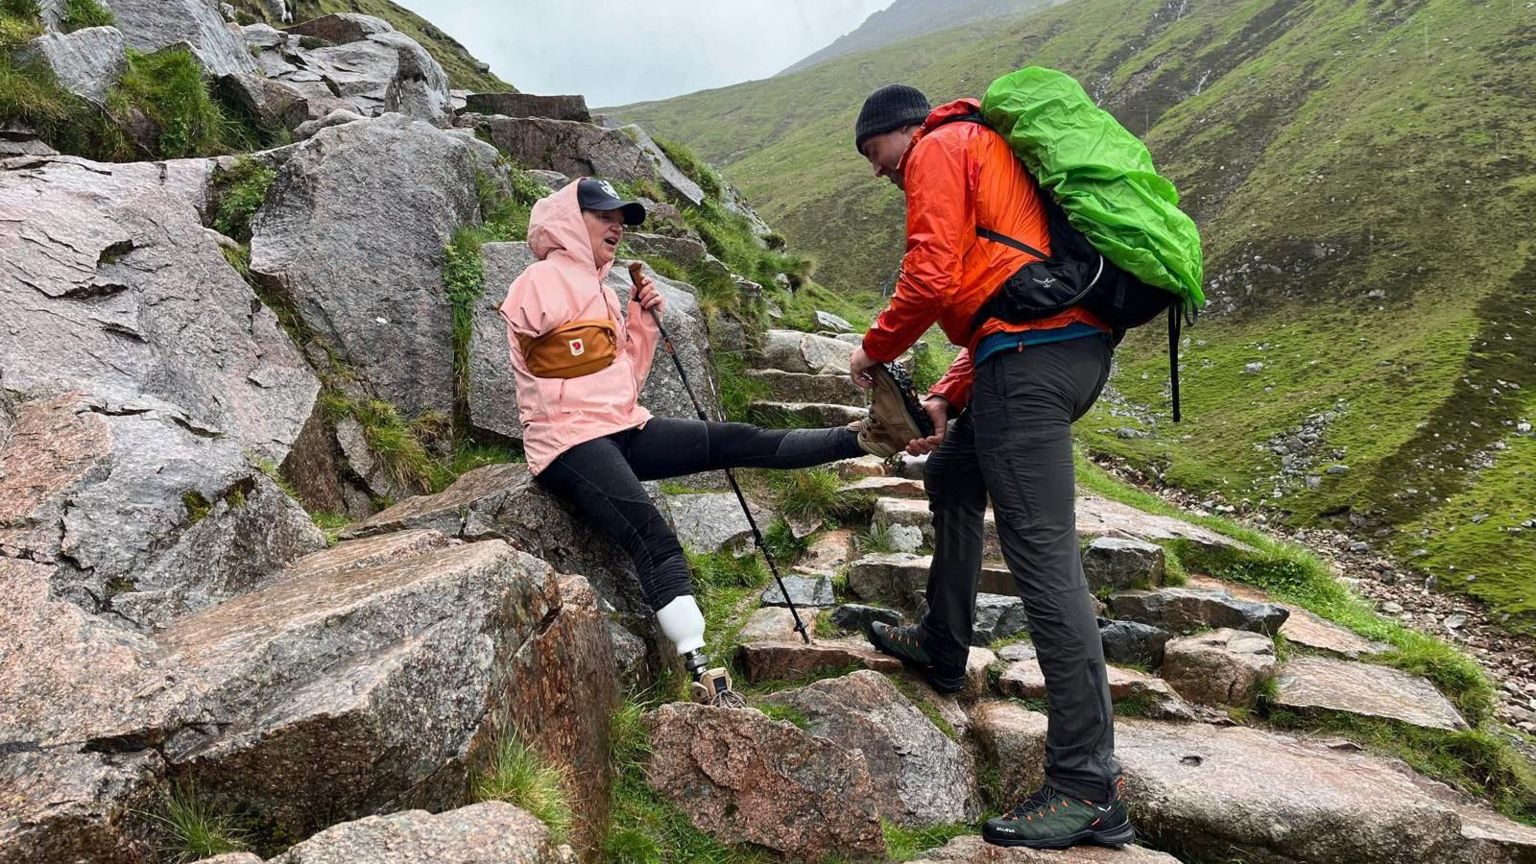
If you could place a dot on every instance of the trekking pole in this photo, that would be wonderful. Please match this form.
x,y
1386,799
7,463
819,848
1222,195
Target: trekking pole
x,y
635,275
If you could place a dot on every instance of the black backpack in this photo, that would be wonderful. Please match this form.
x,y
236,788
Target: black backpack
x,y
1077,274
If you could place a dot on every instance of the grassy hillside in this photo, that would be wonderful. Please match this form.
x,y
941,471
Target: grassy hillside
x,y
464,71
1364,172
909,19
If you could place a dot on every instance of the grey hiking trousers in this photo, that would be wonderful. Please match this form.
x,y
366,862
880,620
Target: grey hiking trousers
x,y
1014,444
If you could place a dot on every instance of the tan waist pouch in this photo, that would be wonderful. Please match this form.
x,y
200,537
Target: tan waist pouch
x,y
572,350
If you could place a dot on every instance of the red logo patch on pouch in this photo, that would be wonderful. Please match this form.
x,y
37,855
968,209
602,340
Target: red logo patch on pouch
x,y
578,347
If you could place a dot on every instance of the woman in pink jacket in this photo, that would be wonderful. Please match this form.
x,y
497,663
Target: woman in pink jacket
x,y
580,366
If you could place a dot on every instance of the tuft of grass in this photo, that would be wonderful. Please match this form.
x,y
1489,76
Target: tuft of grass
x,y
877,538
192,829
331,524
690,164
240,191
518,775
197,506
167,89
812,493
787,713
903,843
783,545
79,14
737,391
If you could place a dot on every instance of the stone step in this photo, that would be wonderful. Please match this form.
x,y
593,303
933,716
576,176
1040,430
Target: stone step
x,y
1303,627
1155,699
913,512
887,487
1248,794
1309,684
833,389
808,414
896,577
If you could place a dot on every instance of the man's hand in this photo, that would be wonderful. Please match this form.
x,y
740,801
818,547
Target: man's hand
x,y
648,297
938,411
858,368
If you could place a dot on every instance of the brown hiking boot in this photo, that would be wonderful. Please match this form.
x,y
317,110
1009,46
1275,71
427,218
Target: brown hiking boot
x,y
895,414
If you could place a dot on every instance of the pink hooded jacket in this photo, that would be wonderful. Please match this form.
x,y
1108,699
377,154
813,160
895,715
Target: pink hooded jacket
x,y
564,286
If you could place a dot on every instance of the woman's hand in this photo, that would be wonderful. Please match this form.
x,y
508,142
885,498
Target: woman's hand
x,y
648,296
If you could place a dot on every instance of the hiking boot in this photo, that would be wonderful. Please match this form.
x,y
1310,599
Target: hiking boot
x,y
1049,819
896,416
906,645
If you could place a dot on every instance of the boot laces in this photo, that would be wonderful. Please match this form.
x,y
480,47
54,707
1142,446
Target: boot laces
x,y
1042,799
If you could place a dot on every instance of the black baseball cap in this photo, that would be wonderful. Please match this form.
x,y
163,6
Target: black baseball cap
x,y
594,194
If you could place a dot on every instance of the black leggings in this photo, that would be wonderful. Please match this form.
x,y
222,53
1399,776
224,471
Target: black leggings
x,y
603,478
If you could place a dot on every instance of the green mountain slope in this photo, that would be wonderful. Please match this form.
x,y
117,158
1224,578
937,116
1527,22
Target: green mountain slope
x,y
1364,172
909,19
464,71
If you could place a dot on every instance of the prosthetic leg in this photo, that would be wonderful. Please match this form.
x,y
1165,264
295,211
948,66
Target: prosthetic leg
x,y
683,623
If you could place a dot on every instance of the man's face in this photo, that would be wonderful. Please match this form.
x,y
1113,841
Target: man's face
x,y
884,153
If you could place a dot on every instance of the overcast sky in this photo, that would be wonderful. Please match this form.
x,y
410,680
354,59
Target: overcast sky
x,y
617,52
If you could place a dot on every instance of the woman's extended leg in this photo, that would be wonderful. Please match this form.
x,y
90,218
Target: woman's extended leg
x,y
669,447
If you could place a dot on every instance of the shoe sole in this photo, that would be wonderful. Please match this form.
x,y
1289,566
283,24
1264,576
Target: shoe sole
x,y
915,417
1116,838
942,687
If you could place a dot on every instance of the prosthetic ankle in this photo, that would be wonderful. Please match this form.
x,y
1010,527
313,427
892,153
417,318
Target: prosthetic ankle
x,y
683,623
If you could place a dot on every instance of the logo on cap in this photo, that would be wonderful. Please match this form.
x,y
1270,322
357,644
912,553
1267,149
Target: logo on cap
x,y
608,188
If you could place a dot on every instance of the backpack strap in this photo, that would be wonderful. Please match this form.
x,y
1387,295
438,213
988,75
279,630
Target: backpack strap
x,y
1004,239
1175,322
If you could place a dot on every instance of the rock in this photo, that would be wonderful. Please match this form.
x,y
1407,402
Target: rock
x,y
972,849
828,551
1010,740
1320,683
911,467
1360,548
582,150
362,64
556,181
906,539
1016,651
332,223
856,618
894,577
859,468
978,666
504,502
1184,610
713,522
804,592
572,108
1117,564
107,495
1302,628
272,104
341,28
25,147
1100,517
807,387
60,805
997,616
150,25
792,660
86,62
914,513
1220,667
685,252
490,831
832,322
1253,368
742,778
920,776
378,480
1130,642
1195,788
1153,697
242,544
806,414
361,664
886,487
773,624
338,117
794,351
231,858
109,285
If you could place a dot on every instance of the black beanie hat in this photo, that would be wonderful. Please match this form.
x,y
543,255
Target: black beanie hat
x,y
891,107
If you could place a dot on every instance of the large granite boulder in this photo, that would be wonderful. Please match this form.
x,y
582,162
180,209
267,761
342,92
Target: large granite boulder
x,y
793,660
109,285
504,502
352,234
137,502
493,389
973,850
361,63
805,353
477,834
150,25
1115,564
86,62
742,778
921,777
1011,744
572,108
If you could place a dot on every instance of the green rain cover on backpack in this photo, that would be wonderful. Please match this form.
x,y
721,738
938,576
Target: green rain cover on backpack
x,y
1101,175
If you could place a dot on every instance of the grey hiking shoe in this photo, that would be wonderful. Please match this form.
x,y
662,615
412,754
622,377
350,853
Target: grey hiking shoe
x,y
906,645
1050,819
895,414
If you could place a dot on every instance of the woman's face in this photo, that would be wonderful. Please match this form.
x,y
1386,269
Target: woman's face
x,y
605,228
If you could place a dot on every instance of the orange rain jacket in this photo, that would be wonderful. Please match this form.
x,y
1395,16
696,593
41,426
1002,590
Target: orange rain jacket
x,y
960,176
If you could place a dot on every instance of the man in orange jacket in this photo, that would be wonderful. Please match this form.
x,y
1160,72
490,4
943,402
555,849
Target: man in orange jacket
x,y
1016,388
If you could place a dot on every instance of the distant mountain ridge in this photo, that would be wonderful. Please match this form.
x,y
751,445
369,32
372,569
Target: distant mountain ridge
x,y
907,19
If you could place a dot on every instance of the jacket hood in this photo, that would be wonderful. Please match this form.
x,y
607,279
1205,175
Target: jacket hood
x,y
938,117
556,230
